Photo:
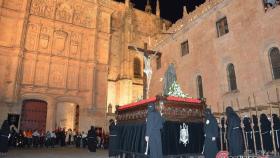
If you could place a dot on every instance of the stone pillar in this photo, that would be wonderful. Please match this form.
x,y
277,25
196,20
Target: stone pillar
x,y
127,3
51,115
148,7
158,9
101,87
185,11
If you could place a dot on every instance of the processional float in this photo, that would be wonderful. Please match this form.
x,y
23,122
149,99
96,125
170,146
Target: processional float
x,y
182,133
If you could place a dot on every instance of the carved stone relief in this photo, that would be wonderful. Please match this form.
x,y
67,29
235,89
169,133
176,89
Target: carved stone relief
x,y
72,11
32,36
75,45
38,7
87,47
84,16
58,73
44,8
73,75
29,68
42,70
44,39
59,42
83,77
64,12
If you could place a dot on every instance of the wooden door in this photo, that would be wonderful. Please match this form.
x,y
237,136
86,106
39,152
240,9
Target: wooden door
x,y
33,115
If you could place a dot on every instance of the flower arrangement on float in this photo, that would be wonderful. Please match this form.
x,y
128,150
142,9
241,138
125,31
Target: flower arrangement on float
x,y
176,91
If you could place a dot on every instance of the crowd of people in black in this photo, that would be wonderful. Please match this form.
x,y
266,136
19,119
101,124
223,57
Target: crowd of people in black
x,y
255,132
255,135
12,138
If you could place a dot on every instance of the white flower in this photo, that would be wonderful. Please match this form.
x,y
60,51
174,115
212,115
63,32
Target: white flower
x,y
175,90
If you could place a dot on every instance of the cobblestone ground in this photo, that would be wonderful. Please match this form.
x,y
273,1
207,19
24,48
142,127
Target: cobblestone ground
x,y
66,152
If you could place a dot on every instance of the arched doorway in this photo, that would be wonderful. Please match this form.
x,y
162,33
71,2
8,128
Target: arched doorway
x,y
33,115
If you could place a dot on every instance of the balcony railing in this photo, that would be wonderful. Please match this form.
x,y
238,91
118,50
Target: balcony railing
x,y
270,4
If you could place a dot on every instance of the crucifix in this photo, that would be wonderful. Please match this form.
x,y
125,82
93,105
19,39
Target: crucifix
x,y
148,55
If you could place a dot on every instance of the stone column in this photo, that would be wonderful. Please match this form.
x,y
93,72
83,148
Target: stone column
x,y
51,115
101,79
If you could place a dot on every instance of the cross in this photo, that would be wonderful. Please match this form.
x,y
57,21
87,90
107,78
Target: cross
x,y
145,50
147,75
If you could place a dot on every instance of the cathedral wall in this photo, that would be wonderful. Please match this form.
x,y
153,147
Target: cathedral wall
x,y
252,32
65,51
11,27
129,27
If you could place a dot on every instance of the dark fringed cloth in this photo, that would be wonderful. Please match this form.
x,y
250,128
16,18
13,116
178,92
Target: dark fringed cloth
x,y
132,138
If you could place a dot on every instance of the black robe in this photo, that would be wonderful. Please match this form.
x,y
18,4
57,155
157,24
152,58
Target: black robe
x,y
4,137
92,140
257,133
113,140
224,143
211,132
266,133
276,126
248,133
153,127
235,139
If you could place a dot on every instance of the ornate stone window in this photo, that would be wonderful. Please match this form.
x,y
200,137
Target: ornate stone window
x,y
184,48
274,56
137,68
199,86
222,26
231,77
270,4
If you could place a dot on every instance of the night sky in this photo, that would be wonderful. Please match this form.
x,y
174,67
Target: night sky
x,y
171,10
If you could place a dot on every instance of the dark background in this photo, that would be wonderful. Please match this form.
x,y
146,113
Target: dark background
x,y
171,10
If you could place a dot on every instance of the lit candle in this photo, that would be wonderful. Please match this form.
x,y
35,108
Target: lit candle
x,y
149,40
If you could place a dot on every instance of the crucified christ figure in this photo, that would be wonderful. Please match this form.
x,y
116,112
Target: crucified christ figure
x,y
148,56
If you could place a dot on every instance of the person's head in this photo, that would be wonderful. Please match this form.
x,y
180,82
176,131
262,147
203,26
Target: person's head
x,y
229,111
246,121
92,128
207,112
151,107
264,119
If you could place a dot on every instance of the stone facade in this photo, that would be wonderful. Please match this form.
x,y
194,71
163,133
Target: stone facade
x,y
70,53
253,31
